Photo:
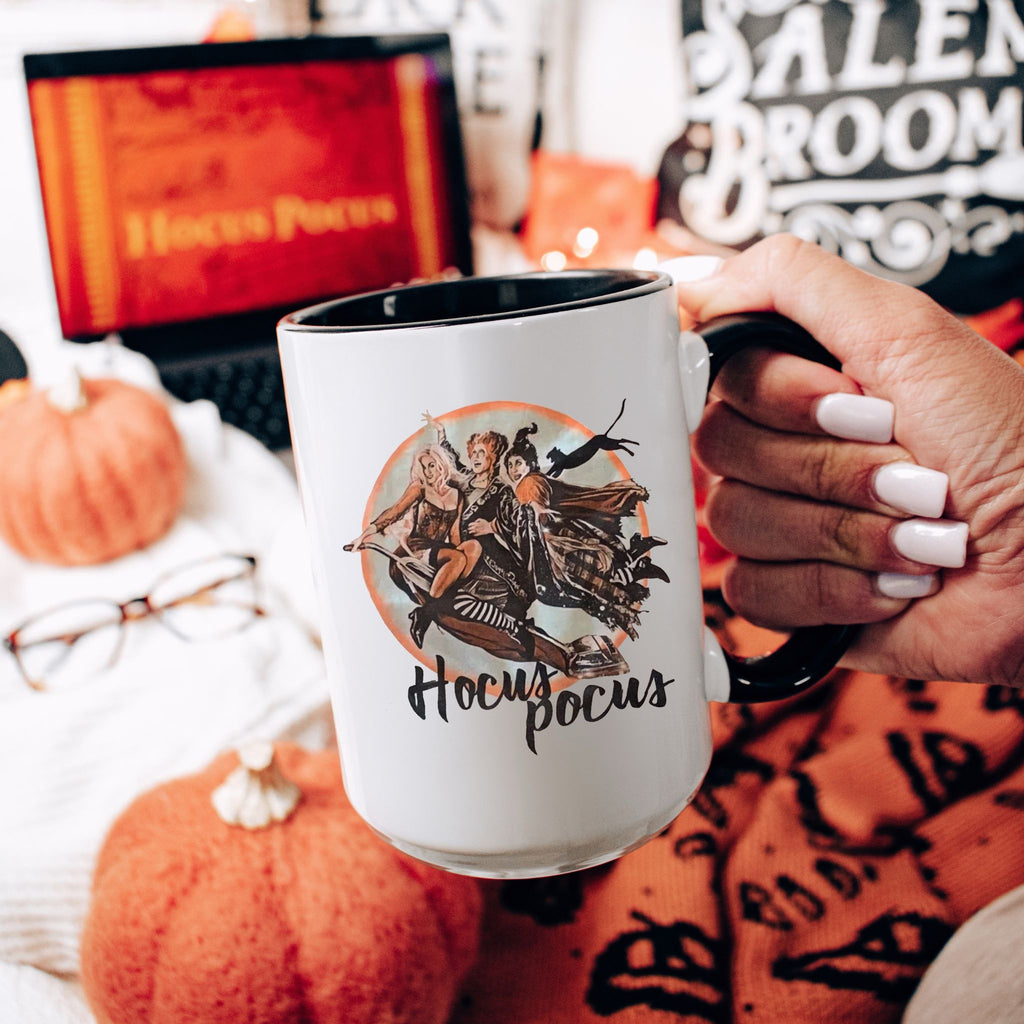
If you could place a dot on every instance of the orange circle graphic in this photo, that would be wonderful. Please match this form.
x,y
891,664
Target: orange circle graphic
x,y
602,469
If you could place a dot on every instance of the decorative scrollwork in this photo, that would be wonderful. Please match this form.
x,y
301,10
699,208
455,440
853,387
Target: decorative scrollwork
x,y
985,228
907,241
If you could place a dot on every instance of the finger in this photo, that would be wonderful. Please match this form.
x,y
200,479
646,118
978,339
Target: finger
x,y
676,235
692,268
770,527
787,596
793,394
873,477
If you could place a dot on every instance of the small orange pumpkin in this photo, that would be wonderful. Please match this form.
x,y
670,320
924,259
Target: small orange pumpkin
x,y
292,912
88,479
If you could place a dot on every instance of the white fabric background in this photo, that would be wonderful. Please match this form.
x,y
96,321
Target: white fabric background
x,y
74,760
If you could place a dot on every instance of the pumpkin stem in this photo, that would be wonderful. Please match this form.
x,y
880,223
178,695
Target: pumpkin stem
x,y
255,794
67,393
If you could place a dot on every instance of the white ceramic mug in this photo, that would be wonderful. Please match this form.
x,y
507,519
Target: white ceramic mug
x,y
496,480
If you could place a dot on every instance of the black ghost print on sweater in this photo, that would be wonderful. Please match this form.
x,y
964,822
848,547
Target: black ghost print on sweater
x,y
548,901
886,957
675,967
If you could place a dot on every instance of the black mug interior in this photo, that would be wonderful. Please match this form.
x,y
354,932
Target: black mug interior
x,y
469,299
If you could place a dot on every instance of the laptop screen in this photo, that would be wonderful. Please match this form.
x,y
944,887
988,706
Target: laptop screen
x,y
186,183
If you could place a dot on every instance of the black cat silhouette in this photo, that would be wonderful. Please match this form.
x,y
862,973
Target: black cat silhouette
x,y
561,461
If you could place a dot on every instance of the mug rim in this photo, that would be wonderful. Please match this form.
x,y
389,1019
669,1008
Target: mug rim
x,y
622,284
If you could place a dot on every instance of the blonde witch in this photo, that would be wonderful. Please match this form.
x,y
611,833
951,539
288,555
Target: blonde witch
x,y
449,474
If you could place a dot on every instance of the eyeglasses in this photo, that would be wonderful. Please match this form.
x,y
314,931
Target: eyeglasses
x,y
203,600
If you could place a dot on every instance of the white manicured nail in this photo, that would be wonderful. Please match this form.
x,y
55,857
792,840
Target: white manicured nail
x,y
856,417
684,269
931,541
912,488
906,587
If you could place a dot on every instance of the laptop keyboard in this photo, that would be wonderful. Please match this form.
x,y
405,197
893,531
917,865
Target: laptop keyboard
x,y
248,391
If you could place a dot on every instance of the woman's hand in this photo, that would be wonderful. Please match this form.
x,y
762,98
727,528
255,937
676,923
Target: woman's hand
x,y
370,531
436,425
832,520
480,528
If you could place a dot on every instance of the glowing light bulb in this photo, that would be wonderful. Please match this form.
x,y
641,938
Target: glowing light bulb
x,y
554,260
646,259
586,242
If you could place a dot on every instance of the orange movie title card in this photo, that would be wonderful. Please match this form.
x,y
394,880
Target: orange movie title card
x,y
176,195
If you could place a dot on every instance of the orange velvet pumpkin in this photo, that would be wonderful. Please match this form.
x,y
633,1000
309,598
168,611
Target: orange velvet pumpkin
x,y
309,918
84,485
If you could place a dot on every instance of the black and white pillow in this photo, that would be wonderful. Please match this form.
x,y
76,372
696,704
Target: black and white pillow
x,y
888,132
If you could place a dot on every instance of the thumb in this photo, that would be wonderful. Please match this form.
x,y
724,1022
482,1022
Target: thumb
x,y
871,325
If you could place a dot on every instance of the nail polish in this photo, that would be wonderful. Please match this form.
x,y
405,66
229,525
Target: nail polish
x,y
941,542
906,587
856,417
912,488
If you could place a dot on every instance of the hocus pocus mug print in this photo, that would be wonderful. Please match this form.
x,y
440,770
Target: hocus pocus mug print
x,y
496,479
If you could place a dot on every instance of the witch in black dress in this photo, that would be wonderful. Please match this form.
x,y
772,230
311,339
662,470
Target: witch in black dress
x,y
571,536
484,580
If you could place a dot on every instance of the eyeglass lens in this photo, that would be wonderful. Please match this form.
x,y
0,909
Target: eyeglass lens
x,y
62,646
207,599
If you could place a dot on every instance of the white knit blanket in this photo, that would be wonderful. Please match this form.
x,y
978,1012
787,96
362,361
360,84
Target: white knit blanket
x,y
72,761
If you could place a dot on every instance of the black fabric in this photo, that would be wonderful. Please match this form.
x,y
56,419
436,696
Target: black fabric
x,y
889,132
12,363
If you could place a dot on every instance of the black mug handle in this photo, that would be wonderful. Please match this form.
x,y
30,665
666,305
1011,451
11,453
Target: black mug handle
x,y
810,653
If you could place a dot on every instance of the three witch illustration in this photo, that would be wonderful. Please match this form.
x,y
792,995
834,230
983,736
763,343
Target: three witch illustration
x,y
481,543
